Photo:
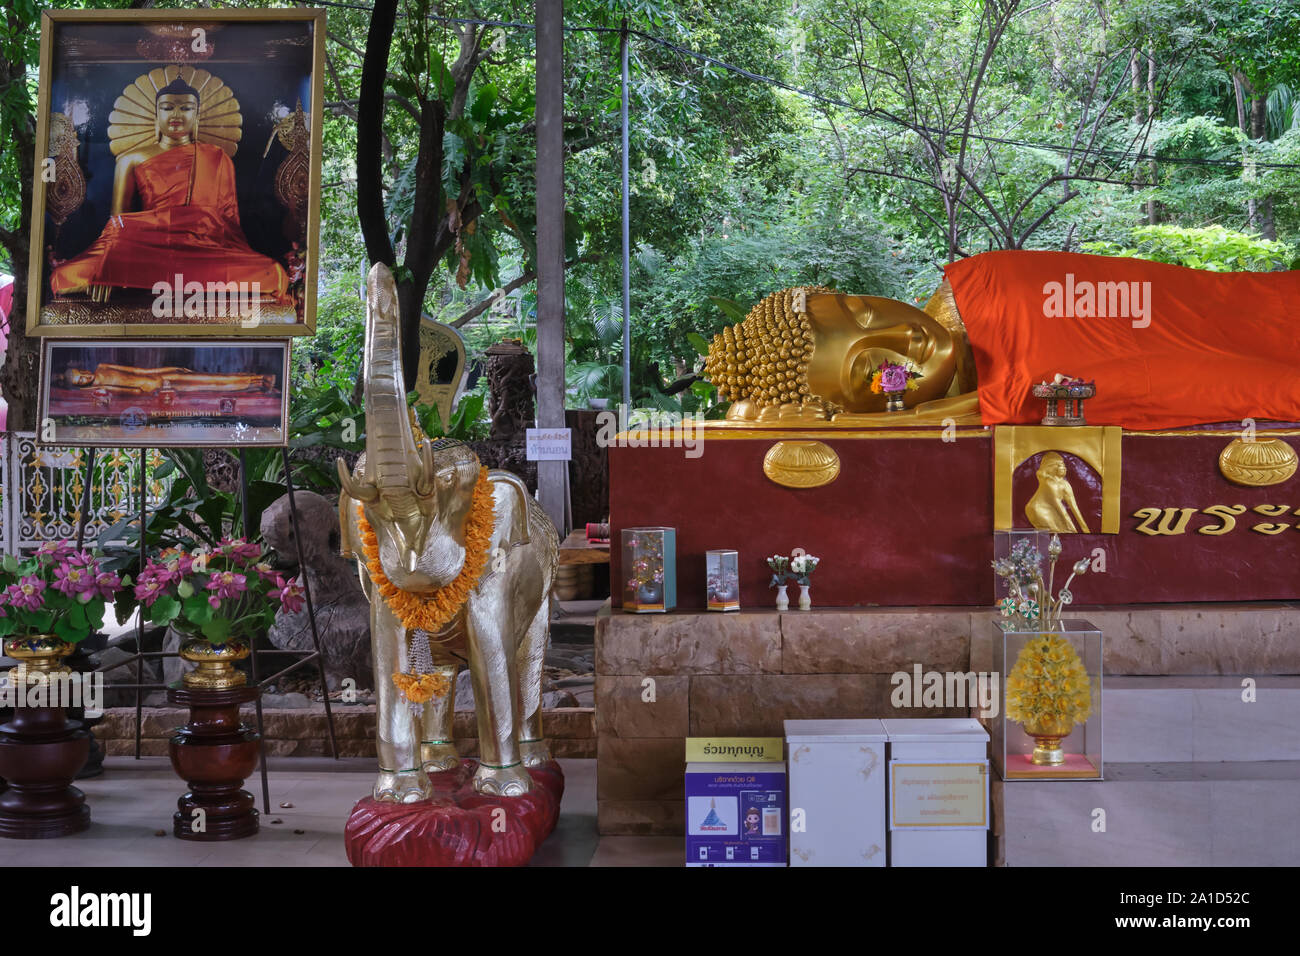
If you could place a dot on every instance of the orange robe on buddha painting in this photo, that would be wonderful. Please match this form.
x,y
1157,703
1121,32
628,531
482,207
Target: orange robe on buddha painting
x,y
188,230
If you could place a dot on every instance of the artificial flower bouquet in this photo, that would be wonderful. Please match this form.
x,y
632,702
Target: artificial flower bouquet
x,y
220,594
1049,687
648,561
59,590
803,566
894,376
780,567
1030,603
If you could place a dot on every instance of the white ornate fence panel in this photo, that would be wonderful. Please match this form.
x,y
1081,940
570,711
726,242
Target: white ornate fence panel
x,y
44,485
6,522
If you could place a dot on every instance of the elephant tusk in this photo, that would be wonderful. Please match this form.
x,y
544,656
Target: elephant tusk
x,y
362,491
424,483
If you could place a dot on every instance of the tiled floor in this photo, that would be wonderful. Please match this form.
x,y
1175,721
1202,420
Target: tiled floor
x,y
132,803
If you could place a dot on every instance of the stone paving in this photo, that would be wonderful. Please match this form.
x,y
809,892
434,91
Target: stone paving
x,y
132,802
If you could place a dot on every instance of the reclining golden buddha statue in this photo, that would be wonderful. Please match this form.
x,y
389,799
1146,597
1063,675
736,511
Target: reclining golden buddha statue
x,y
805,355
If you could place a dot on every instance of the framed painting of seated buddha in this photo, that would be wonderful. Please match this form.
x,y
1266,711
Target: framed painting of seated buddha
x,y
178,179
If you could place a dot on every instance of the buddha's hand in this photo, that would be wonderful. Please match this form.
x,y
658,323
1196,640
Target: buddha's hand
x,y
100,293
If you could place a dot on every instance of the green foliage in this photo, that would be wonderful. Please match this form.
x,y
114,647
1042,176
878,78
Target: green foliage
x,y
467,422
1213,248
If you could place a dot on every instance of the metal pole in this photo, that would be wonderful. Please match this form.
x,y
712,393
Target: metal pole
x,y
84,510
252,644
627,241
311,607
551,475
139,615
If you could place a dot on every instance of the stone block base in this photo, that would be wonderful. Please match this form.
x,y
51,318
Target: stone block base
x,y
292,732
663,677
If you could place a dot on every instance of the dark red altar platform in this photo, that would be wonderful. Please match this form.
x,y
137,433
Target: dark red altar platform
x,y
909,518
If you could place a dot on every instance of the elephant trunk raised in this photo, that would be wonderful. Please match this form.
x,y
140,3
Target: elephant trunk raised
x,y
400,480
417,499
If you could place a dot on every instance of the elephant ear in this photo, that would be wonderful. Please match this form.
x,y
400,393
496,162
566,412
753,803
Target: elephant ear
x,y
516,530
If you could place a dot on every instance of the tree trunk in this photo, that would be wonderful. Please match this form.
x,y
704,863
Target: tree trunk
x,y
370,134
1259,131
20,371
1135,87
1240,87
1153,211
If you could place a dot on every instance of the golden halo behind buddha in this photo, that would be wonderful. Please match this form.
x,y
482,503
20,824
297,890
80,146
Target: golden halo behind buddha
x,y
132,124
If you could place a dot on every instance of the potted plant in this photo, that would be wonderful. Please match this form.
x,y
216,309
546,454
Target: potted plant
x,y
49,602
220,598
803,566
780,567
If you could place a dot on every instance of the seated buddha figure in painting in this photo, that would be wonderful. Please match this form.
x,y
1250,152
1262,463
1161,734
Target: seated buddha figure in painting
x,y
174,212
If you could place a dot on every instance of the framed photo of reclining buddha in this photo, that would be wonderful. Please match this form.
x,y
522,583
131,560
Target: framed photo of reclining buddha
x,y
177,184
151,393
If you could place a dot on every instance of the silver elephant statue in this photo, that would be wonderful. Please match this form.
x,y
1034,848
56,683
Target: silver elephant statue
x,y
416,497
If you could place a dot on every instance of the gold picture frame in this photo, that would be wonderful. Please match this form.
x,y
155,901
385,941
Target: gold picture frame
x,y
255,147
152,393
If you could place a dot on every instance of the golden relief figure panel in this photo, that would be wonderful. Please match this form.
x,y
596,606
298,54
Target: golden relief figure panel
x,y
1054,503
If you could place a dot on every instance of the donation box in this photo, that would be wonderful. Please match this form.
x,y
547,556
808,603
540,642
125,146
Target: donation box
x,y
938,792
735,802
837,792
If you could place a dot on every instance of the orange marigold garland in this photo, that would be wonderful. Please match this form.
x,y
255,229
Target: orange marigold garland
x,y
429,612
421,688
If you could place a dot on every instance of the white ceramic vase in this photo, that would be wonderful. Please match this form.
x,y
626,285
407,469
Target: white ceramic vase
x,y
805,601
782,598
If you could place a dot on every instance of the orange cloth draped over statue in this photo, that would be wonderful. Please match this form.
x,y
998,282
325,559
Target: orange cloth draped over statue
x,y
195,234
1167,346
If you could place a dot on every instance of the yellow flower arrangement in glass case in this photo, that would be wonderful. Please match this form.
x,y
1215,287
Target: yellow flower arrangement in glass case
x,y
1048,690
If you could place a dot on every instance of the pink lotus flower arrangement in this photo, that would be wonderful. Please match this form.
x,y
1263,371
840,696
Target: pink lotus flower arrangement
x,y
227,593
59,590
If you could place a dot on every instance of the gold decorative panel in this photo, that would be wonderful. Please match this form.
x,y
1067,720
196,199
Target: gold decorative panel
x,y
801,464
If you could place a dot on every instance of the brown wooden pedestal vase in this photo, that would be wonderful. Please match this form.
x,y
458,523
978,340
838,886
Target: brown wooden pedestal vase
x,y
41,752
214,753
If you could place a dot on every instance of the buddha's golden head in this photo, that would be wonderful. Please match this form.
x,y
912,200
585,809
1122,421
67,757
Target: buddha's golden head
x,y
803,344
78,377
176,111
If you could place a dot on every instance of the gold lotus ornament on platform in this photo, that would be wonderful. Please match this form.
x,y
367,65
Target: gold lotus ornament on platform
x,y
801,464
1258,464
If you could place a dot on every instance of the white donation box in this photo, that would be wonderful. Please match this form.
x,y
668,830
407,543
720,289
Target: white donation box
x,y
837,792
938,791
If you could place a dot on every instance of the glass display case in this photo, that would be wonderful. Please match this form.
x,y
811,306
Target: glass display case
x,y
722,580
649,569
1049,724
1020,545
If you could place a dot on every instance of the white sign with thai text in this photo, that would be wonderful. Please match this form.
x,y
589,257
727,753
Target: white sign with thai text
x,y
550,444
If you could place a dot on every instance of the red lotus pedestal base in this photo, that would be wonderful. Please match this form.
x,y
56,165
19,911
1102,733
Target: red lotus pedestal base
x,y
458,827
